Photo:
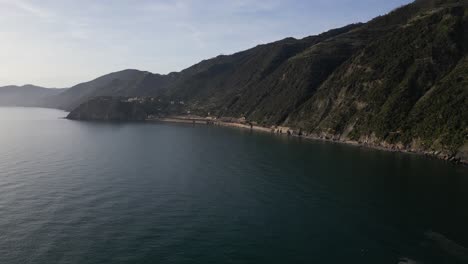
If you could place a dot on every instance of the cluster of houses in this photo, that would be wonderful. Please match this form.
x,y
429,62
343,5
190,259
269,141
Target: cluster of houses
x,y
141,99
145,99
212,119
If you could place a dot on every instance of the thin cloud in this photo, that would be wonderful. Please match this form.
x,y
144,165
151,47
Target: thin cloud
x,y
59,42
195,34
160,7
256,5
29,8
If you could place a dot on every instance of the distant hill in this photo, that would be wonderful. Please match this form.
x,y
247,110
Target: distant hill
x,y
27,95
399,81
223,72
118,83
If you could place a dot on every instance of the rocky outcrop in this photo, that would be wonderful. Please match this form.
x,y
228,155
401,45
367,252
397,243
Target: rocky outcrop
x,y
109,109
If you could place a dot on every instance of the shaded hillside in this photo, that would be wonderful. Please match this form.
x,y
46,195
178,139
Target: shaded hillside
x,y
406,87
215,79
27,95
261,75
110,109
398,81
125,82
216,84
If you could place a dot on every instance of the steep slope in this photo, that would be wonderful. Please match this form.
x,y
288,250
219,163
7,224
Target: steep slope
x,y
108,108
398,81
121,83
212,81
295,79
27,95
405,88
224,77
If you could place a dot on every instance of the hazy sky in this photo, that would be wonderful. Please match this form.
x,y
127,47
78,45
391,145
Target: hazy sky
x,y
59,43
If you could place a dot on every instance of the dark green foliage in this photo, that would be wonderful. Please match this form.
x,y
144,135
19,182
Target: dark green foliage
x,y
400,79
109,109
440,118
378,92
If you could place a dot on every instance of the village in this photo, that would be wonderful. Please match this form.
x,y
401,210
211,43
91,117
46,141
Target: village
x,y
177,111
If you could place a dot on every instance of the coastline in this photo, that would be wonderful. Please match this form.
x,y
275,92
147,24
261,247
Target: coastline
x,y
276,131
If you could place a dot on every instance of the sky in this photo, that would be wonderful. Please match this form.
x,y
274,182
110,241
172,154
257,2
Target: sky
x,y
59,43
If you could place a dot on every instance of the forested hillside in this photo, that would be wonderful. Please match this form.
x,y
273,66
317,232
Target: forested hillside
x,y
399,81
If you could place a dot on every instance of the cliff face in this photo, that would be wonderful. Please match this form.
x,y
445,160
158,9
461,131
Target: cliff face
x,y
399,81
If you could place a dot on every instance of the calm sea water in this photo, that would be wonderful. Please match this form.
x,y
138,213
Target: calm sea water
x,y
82,192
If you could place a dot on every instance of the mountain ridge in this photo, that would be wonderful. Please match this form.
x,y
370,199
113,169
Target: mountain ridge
x,y
398,81
27,95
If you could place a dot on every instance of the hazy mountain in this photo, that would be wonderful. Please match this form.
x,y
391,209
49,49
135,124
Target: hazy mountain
x,y
27,95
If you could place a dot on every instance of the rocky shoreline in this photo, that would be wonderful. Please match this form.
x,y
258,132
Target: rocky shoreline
x,y
286,131
146,109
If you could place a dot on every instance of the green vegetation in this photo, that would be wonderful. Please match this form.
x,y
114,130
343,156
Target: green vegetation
x,y
398,80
